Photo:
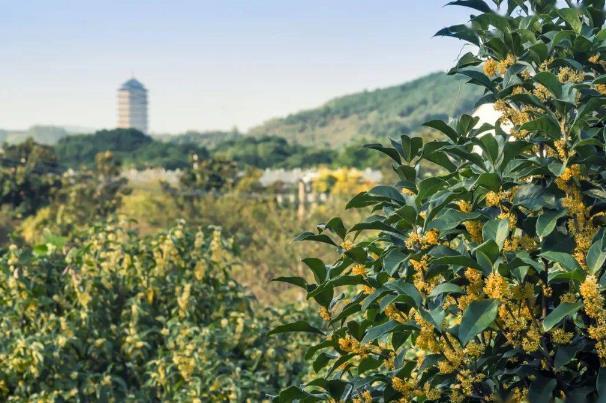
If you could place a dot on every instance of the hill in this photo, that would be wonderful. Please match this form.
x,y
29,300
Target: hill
x,y
40,134
376,114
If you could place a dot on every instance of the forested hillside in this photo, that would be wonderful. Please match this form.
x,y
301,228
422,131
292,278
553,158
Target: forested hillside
x,y
375,114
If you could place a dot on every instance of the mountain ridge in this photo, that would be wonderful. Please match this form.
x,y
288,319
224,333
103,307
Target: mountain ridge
x,y
375,114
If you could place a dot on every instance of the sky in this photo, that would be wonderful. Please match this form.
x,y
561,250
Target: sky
x,y
209,64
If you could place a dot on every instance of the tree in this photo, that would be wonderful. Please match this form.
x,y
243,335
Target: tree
x,y
83,196
29,172
484,282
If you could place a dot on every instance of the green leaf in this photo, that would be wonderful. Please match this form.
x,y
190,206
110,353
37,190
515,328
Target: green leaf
x,y
457,260
369,363
335,225
293,393
310,236
393,261
406,289
375,332
452,218
571,16
563,259
298,281
595,257
479,5
428,187
478,316
601,383
550,81
317,267
559,313
299,326
541,390
391,152
496,230
446,288
441,126
411,147
546,223
462,32
321,361
40,250
388,192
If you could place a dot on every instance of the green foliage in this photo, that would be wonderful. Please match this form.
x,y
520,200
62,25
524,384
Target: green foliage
x,y
116,317
375,114
484,282
83,196
129,145
29,173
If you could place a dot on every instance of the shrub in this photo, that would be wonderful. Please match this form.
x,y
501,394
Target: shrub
x,y
483,283
116,317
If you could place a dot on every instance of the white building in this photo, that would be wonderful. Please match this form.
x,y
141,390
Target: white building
x,y
132,106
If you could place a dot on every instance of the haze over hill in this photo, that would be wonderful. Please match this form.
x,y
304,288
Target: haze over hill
x,y
365,116
377,114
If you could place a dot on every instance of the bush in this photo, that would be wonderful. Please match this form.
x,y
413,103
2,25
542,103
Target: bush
x,y
116,317
483,283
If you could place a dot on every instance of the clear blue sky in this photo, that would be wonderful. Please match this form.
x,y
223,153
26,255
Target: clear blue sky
x,y
209,64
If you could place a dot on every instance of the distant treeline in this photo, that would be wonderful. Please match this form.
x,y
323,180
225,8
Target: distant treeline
x,y
140,151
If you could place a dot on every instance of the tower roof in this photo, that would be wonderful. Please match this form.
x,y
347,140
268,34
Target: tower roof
x,y
132,84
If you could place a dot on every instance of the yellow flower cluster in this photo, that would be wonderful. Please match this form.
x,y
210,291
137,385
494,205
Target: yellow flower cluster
x,y
560,336
595,59
364,397
541,92
579,226
347,244
593,303
474,229
518,242
395,314
546,64
366,289
493,199
427,240
473,291
573,171
467,380
464,206
490,67
496,287
561,149
568,75
358,270
505,64
601,88
324,314
512,115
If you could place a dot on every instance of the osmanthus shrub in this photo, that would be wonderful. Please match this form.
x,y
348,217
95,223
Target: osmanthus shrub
x,y
485,282
117,317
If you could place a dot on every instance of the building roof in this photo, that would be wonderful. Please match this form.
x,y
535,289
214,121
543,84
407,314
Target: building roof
x,y
133,84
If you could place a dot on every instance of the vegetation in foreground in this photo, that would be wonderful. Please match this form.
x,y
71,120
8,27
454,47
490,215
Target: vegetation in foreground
x,y
485,283
119,317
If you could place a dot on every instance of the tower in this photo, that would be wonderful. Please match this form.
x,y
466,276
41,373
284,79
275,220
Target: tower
x,y
132,106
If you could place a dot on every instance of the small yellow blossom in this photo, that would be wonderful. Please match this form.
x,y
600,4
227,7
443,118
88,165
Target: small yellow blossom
x,y
560,336
358,270
490,67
